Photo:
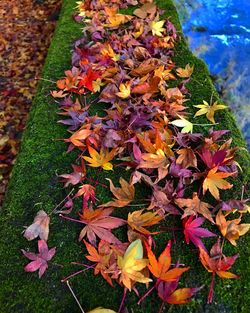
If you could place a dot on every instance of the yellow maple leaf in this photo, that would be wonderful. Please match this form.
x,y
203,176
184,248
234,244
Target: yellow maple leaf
x,y
124,90
108,51
157,28
209,110
131,265
185,72
101,159
97,84
214,181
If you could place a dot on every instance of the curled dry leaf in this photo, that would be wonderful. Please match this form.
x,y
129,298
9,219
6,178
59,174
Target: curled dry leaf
x,y
124,195
231,229
194,206
39,227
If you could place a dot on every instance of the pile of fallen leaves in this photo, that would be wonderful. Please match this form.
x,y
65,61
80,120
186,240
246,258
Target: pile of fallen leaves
x,y
124,64
26,30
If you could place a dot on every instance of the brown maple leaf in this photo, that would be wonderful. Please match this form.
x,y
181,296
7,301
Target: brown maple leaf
x,y
124,195
194,206
186,158
138,220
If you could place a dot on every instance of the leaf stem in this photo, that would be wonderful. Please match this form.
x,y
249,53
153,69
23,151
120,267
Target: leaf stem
x,y
73,294
161,307
71,219
59,204
146,294
211,290
73,275
123,299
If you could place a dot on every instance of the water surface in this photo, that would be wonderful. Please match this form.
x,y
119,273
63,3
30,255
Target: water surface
x,y
218,32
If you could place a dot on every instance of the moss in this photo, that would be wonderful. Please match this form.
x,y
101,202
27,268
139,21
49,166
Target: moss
x,y
34,186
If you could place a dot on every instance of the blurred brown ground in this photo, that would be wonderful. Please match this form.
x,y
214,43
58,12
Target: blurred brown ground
x,y
26,29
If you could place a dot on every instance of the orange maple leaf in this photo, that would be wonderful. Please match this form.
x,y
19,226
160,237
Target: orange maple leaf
x,y
101,159
161,268
214,181
231,229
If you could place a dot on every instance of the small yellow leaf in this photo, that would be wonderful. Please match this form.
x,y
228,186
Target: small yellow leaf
x,y
157,28
209,110
124,90
185,72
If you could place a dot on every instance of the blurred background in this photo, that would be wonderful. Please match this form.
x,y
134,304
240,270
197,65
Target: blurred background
x,y
218,31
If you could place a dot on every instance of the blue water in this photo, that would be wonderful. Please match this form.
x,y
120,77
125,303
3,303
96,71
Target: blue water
x,y
218,31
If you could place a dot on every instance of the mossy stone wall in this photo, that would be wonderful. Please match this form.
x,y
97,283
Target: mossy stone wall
x,y
34,185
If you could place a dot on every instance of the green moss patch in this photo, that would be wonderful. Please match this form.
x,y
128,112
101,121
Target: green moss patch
x,y
34,185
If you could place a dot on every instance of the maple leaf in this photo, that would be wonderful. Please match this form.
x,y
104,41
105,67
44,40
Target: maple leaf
x,y
231,229
124,90
105,258
186,158
193,232
185,72
194,206
154,160
78,174
115,19
157,28
138,220
88,193
101,310
131,265
40,260
79,136
99,223
209,110
88,78
161,268
143,11
101,159
187,127
168,293
214,181
124,195
39,227
218,264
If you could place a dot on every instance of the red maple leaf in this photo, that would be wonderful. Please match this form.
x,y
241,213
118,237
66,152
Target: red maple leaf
x,y
88,78
193,232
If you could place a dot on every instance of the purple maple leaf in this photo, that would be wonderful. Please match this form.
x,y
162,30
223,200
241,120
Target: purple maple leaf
x,y
39,260
193,232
